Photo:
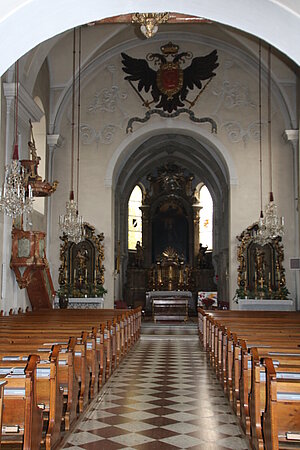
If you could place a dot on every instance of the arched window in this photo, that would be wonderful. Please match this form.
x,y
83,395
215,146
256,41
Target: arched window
x,y
206,218
135,218
39,133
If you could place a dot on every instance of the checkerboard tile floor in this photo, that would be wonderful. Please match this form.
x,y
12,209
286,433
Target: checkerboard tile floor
x,y
163,396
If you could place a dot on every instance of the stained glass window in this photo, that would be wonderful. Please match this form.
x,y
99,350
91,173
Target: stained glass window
x,y
134,218
206,218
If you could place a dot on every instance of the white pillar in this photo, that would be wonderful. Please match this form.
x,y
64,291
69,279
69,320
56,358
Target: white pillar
x,y
292,136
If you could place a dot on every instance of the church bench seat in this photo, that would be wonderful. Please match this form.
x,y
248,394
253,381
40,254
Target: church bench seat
x,y
85,361
60,338
48,391
281,419
66,377
286,366
232,358
229,339
251,359
287,342
22,418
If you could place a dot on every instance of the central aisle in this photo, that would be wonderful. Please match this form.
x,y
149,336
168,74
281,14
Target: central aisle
x,y
163,396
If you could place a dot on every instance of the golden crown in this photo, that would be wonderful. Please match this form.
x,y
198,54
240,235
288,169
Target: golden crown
x,y
169,48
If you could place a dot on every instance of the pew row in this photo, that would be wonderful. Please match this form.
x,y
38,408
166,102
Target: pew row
x,y
84,348
237,344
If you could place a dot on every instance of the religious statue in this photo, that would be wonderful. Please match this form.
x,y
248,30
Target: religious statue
x,y
201,263
139,257
260,266
81,260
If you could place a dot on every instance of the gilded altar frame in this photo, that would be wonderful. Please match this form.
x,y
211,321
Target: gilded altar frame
x,y
81,273
260,271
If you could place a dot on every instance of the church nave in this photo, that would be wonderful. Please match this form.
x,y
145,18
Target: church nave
x,y
163,396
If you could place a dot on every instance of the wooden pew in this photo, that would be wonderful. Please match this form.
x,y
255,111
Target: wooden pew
x,y
285,364
22,418
250,367
48,392
2,384
228,337
267,339
100,341
281,419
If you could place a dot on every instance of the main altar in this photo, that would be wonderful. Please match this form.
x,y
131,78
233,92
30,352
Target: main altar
x,y
171,263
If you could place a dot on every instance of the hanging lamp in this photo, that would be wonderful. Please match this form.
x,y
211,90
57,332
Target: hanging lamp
x,y
274,225
260,237
270,226
71,223
16,195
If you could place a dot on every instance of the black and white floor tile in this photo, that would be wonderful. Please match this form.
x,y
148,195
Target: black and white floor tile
x,y
163,396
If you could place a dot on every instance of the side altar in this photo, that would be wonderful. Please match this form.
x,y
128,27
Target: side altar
x,y
81,273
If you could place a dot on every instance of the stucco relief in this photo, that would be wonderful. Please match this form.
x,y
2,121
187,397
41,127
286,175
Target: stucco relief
x,y
108,100
104,136
237,133
232,95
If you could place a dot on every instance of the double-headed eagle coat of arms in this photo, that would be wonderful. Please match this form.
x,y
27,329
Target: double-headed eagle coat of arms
x,y
170,85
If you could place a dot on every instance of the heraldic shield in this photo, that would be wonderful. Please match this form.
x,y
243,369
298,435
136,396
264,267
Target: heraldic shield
x,y
170,79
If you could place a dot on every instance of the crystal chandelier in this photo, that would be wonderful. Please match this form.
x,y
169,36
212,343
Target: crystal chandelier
x,y
71,223
270,226
13,198
15,195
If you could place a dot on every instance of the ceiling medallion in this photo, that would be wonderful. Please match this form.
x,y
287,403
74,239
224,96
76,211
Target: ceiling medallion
x,y
149,22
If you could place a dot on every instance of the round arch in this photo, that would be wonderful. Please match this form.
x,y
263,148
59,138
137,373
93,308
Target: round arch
x,y
198,133
188,146
54,17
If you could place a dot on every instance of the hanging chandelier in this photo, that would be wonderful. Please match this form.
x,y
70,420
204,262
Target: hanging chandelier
x,y
71,223
14,200
15,195
270,225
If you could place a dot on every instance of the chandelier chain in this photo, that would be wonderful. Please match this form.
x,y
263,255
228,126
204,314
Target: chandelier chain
x,y
269,120
78,113
260,131
71,223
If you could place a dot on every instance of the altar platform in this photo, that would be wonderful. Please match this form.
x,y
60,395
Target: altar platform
x,y
264,304
167,295
82,303
168,305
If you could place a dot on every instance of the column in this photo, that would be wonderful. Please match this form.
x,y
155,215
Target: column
x,y
292,136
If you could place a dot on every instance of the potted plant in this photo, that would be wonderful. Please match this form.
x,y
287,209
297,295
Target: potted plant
x,y
63,294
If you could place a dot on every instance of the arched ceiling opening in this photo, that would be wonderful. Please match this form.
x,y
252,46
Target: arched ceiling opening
x,y
275,22
187,153
181,150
